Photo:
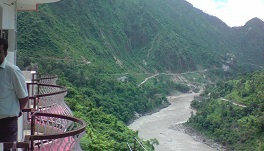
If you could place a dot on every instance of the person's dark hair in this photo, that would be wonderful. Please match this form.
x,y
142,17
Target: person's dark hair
x,y
4,43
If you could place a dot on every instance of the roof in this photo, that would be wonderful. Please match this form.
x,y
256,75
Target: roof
x,y
31,4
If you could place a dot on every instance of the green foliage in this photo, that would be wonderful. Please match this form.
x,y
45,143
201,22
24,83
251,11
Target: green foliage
x,y
104,131
107,104
127,36
237,127
250,43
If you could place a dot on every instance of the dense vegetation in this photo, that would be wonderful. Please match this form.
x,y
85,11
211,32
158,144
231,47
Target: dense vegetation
x,y
134,36
232,112
102,50
250,43
107,104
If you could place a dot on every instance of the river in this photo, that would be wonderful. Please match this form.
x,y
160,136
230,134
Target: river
x,y
157,126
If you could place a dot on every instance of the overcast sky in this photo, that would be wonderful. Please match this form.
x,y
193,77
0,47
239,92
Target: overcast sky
x,y
232,12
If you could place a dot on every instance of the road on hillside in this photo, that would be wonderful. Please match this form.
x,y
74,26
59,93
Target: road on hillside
x,y
147,79
157,126
237,104
171,74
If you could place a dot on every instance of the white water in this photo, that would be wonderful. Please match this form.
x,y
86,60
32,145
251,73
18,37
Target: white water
x,y
157,126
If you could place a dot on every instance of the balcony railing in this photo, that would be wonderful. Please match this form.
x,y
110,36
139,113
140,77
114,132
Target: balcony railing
x,y
56,132
48,123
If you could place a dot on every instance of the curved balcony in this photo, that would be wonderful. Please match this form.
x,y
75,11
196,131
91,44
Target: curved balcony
x,y
51,100
56,132
48,124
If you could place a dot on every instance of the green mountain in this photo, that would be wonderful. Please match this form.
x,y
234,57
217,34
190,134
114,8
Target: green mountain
x,y
250,44
136,35
128,35
92,44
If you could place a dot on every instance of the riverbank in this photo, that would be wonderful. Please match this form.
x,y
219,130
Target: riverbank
x,y
197,136
161,125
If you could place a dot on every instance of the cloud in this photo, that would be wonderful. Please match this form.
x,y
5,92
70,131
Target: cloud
x,y
232,12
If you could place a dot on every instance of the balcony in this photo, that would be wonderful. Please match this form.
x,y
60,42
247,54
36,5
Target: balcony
x,y
47,123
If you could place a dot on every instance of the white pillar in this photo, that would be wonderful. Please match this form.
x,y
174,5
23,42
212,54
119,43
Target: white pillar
x,y
8,27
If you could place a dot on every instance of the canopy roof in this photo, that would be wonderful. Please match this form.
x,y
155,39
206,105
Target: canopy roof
x,y
31,4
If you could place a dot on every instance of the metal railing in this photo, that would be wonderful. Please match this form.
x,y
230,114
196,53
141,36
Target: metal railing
x,y
48,122
56,132
50,99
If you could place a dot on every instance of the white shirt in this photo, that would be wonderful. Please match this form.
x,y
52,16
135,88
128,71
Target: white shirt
x,y
12,87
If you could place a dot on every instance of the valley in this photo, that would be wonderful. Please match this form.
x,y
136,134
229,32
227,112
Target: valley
x,y
157,125
121,58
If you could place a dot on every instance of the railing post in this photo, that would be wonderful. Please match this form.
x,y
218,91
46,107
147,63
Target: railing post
x,y
35,103
32,131
31,144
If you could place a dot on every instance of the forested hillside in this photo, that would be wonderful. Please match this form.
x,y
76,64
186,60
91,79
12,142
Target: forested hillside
x,y
250,45
103,49
136,35
127,35
232,112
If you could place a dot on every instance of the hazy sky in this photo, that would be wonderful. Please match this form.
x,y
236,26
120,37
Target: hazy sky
x,y
232,12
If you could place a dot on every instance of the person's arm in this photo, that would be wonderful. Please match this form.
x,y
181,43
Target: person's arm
x,y
23,102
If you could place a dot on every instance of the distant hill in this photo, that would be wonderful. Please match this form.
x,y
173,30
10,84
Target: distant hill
x,y
136,35
250,42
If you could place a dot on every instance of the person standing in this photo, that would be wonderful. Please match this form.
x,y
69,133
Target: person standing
x,y
13,95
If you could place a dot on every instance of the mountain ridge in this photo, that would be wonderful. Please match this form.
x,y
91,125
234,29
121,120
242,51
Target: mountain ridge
x,y
131,35
249,44
121,37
